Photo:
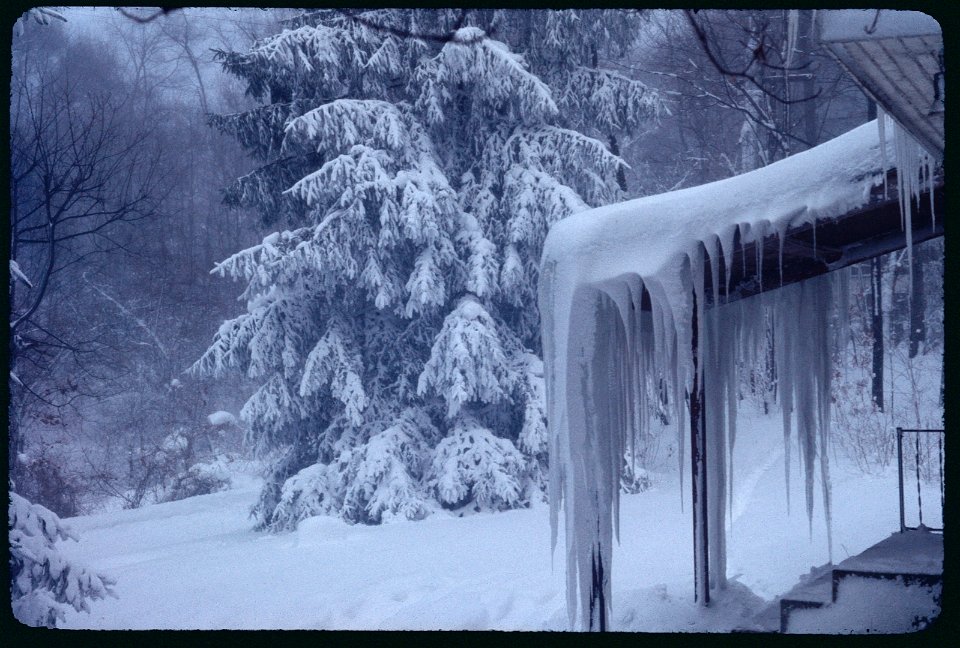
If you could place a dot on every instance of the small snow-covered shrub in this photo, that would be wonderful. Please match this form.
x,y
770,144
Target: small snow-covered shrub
x,y
634,480
199,479
42,582
381,478
279,466
312,491
471,464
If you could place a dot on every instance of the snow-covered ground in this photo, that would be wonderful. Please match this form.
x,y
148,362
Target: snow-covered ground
x,y
196,563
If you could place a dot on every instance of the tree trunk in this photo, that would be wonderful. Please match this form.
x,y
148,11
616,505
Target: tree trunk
x,y
621,174
806,43
15,446
918,304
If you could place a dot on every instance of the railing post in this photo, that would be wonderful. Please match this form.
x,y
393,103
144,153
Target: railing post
x,y
916,465
940,457
917,474
900,474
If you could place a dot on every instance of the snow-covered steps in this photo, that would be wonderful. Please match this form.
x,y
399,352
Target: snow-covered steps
x,y
813,591
870,602
918,551
894,586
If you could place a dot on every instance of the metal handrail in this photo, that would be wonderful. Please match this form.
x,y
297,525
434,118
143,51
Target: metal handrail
x,y
900,432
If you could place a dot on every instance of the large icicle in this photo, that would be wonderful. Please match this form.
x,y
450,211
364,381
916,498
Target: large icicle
x,y
915,168
783,354
823,289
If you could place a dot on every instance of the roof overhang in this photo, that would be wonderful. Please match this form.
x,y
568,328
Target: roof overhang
x,y
896,57
817,248
807,215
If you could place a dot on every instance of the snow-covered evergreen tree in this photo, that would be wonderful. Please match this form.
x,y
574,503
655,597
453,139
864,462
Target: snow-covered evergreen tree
x,y
43,584
414,161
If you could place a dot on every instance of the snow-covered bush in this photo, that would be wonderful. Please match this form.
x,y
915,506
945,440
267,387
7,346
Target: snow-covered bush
x,y
200,479
381,478
42,583
473,465
634,480
183,464
312,491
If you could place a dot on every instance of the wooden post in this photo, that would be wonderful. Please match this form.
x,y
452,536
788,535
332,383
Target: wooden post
x,y
698,474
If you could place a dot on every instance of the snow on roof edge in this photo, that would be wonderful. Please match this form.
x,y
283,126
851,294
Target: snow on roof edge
x,y
650,235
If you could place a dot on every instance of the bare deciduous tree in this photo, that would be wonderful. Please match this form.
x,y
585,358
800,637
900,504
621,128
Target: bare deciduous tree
x,y
79,170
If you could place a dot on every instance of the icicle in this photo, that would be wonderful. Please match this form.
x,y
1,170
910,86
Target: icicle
x,y
930,181
732,382
744,232
726,246
761,233
678,415
910,163
805,370
714,252
781,237
822,287
807,353
783,354
793,22
606,358
882,132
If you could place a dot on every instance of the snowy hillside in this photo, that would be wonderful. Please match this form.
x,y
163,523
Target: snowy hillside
x,y
197,564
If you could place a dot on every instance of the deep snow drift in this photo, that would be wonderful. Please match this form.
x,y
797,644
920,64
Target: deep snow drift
x,y
196,563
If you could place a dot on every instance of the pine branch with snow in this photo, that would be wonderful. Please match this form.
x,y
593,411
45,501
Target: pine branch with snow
x,y
43,584
467,362
471,464
382,478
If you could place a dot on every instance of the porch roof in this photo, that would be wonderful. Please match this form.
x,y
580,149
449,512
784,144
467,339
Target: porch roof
x,y
896,57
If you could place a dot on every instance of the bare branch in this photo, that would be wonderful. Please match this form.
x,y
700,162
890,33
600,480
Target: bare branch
x,y
404,33
727,72
163,11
